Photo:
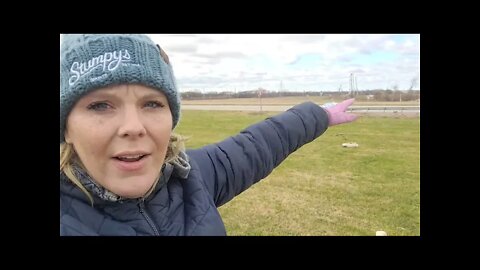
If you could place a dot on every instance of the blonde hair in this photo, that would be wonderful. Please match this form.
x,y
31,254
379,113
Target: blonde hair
x,y
68,158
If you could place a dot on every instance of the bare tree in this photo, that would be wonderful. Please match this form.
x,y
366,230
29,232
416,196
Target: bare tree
x,y
413,82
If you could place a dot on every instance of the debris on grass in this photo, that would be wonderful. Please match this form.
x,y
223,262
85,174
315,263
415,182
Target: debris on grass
x,y
350,144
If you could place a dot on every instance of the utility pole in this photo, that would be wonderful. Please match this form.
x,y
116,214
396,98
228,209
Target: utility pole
x,y
353,85
260,97
356,86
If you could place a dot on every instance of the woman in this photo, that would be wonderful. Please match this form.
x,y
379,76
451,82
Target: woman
x,y
122,169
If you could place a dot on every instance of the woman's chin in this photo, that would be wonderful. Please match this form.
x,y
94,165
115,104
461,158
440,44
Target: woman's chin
x,y
133,191
132,194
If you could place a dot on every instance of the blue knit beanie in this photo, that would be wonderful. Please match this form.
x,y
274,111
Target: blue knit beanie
x,y
89,62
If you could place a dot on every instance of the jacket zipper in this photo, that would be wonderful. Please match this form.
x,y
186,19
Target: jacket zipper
x,y
143,211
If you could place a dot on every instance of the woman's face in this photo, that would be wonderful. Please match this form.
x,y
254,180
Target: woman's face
x,y
121,134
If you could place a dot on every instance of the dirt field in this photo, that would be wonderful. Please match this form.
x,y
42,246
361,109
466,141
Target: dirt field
x,y
289,101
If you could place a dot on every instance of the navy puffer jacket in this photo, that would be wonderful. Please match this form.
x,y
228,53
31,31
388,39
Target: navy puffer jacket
x,y
186,203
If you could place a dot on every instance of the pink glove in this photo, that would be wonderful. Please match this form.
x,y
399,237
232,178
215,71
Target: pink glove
x,y
337,114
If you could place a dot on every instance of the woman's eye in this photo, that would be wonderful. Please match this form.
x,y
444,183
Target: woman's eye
x,y
154,104
99,106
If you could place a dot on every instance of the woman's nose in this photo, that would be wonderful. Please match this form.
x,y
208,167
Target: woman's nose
x,y
131,126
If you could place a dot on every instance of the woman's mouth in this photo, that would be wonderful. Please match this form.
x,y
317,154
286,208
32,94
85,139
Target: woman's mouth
x,y
130,162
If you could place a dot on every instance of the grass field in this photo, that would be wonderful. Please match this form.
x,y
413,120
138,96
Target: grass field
x,y
323,188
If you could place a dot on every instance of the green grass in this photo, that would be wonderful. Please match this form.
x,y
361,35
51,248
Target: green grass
x,y
323,188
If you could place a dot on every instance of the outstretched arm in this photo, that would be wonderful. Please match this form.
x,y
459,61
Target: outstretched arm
x,y
233,165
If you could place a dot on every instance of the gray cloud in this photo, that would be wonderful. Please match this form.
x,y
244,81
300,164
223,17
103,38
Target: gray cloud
x,y
222,55
183,48
302,38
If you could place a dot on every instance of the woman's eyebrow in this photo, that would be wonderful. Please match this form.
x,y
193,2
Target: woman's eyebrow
x,y
153,96
102,95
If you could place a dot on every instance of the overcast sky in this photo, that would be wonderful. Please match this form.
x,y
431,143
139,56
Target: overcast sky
x,y
294,62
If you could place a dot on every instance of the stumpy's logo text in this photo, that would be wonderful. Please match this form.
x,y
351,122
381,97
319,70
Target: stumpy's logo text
x,y
109,61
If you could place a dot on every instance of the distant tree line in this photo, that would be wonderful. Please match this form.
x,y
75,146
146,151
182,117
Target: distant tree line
x,y
377,95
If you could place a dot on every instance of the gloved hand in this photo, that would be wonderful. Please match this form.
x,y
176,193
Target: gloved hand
x,y
337,114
